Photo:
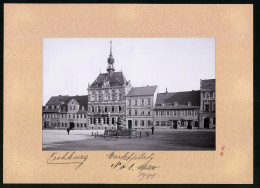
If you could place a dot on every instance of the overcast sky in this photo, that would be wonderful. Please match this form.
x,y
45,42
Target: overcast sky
x,y
178,64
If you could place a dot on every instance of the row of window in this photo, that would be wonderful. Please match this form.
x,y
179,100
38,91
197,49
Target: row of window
x,y
106,109
208,95
137,102
79,116
141,112
105,120
64,108
58,124
52,107
107,97
177,113
167,123
207,108
142,123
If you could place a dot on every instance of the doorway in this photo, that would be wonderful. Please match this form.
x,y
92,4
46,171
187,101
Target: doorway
x,y
71,125
129,124
206,123
46,124
175,125
196,124
189,125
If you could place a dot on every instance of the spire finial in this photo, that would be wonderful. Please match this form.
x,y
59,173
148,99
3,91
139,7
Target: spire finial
x,y
110,47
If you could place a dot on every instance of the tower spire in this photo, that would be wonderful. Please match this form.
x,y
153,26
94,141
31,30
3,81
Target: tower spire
x,y
110,47
110,61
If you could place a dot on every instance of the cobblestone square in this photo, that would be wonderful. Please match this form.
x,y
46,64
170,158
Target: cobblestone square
x,y
169,140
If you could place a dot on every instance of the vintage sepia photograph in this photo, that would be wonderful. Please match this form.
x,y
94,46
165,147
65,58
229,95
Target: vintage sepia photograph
x,y
128,94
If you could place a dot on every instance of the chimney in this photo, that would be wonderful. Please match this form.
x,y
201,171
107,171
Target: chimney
x,y
166,91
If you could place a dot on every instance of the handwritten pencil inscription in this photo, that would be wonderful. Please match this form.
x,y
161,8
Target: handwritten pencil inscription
x,y
134,162
67,158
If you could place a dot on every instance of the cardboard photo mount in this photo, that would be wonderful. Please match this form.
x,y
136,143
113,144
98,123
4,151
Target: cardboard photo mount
x,y
25,25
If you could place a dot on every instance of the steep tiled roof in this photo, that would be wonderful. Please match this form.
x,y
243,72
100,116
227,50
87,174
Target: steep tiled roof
x,y
82,100
57,100
50,110
207,84
142,91
117,79
181,97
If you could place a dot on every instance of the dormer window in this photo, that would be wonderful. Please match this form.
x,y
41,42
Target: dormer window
x,y
189,103
70,107
52,107
82,107
46,107
57,107
175,103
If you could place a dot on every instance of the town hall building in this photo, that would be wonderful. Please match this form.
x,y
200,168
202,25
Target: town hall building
x,y
107,97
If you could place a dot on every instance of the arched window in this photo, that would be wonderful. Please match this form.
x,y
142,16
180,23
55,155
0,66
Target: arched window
x,y
119,108
105,108
113,94
99,96
92,96
107,96
113,109
92,109
96,97
120,96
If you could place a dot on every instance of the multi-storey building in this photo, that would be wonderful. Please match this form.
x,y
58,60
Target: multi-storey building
x,y
177,110
50,112
61,112
139,106
207,104
107,97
